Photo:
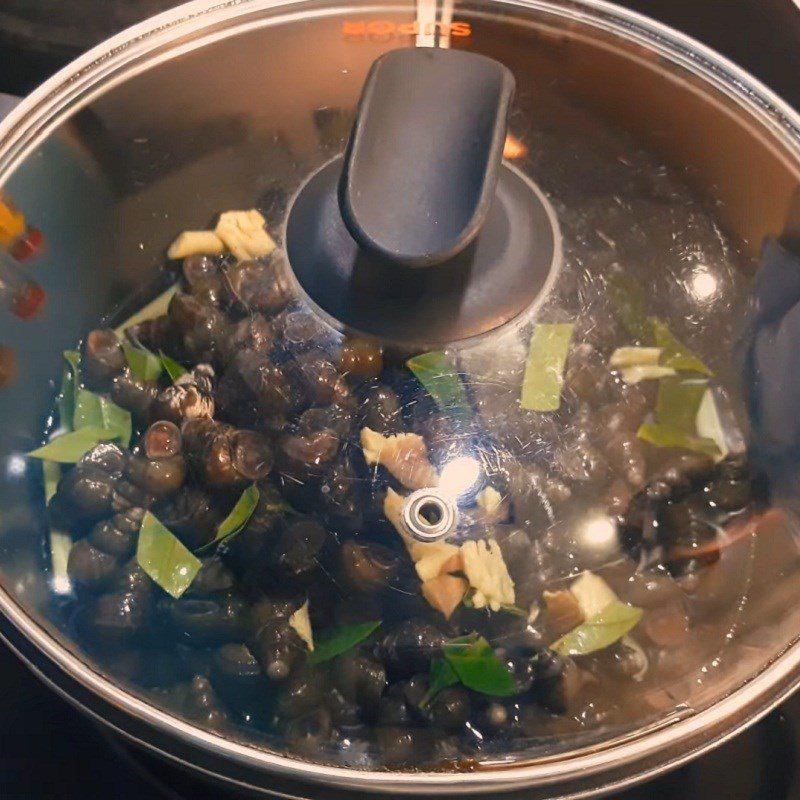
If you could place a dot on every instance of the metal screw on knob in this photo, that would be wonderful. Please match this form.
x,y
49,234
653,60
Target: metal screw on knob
x,y
428,515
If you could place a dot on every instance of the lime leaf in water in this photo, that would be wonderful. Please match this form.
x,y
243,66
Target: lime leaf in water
x,y
709,424
599,631
678,402
60,541
117,419
69,388
674,353
442,382
70,447
237,519
144,364
441,676
667,436
96,411
153,310
541,386
51,475
164,557
341,641
478,668
79,408
171,366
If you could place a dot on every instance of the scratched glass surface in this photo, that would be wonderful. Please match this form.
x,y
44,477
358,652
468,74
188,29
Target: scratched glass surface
x,y
595,582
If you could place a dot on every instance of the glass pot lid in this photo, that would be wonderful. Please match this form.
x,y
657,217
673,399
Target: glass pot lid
x,y
438,430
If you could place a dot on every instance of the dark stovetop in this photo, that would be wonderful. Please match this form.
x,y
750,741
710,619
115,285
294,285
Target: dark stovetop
x,y
50,752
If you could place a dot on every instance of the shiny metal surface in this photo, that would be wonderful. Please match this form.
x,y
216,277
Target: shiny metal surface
x,y
79,138
429,515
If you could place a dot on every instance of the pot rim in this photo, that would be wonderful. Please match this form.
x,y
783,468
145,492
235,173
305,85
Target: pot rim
x,y
667,745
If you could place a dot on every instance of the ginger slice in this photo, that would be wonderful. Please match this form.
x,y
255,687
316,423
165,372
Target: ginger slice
x,y
432,559
444,593
196,243
301,623
393,511
244,234
404,455
490,500
624,357
487,574
592,593
481,561
563,610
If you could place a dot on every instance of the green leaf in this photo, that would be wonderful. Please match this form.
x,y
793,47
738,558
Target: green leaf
x,y
602,630
341,641
237,519
478,668
69,388
241,512
144,364
442,382
60,541
117,419
667,436
96,411
51,475
541,387
441,676
164,558
60,546
154,309
630,307
80,408
171,366
678,402
674,353
709,424
69,447
88,413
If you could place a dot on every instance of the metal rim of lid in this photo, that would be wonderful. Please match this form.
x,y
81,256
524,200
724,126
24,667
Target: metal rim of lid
x,y
652,754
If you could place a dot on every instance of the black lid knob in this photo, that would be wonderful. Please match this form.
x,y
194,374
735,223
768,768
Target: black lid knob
x,y
421,168
422,184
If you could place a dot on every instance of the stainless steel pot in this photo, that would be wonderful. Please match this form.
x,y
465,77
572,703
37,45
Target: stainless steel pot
x,y
211,105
